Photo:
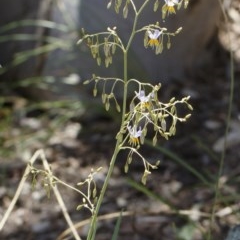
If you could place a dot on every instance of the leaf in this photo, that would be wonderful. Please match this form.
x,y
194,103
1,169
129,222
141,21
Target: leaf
x,y
117,227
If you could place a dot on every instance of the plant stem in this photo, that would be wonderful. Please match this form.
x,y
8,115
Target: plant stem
x,y
228,119
93,225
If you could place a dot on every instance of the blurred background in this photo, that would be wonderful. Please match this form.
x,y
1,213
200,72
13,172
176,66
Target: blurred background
x,y
45,105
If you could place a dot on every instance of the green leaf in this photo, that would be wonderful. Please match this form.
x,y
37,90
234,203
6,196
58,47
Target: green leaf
x,y
117,227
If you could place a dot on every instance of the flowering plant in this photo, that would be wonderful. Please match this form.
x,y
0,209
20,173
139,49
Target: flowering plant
x,y
145,108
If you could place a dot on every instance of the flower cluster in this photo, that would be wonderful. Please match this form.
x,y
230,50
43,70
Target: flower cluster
x,y
150,111
147,111
102,45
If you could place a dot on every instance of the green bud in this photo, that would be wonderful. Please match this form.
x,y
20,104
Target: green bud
x,y
95,92
106,49
142,138
126,167
118,107
159,48
188,116
145,40
144,132
79,207
158,163
99,61
179,5
113,48
95,200
109,5
172,130
106,62
156,4
94,194
144,179
186,3
104,97
178,30
173,110
107,105
129,160
86,82
155,140
168,45
163,124
119,2
125,11
189,106
117,7
164,11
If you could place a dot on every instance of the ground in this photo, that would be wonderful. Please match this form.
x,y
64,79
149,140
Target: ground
x,y
177,201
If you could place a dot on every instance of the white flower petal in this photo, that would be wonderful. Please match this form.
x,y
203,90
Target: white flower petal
x,y
171,3
133,131
155,34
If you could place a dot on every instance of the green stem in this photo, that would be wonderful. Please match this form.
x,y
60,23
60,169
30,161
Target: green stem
x,y
135,24
93,225
229,114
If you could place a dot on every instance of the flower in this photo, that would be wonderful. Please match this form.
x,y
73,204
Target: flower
x,y
154,35
168,7
144,100
134,135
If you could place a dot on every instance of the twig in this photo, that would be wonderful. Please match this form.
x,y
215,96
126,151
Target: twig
x,y
19,190
59,198
87,221
40,153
